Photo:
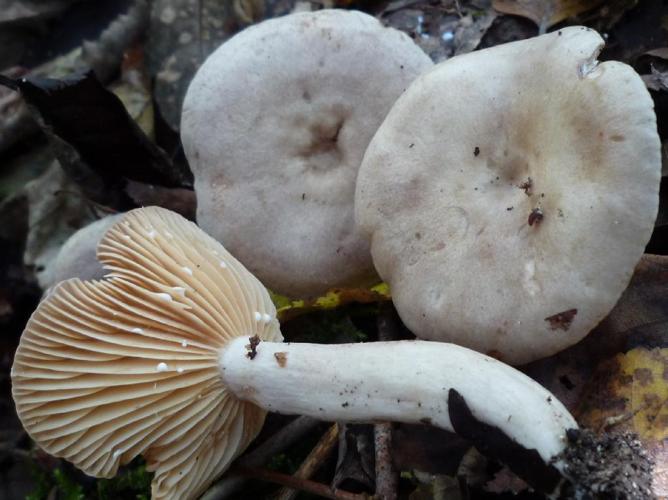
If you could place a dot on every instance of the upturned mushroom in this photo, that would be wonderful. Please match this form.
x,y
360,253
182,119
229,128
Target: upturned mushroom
x,y
510,192
155,360
275,125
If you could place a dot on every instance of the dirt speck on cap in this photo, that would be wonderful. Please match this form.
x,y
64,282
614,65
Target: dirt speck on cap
x,y
281,358
252,347
562,320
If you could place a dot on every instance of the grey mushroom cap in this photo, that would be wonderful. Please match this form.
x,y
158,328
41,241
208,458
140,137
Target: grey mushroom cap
x,y
510,193
275,125
77,257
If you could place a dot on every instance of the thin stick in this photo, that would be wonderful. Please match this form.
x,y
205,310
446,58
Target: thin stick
x,y
277,443
18,453
313,461
387,478
298,483
10,83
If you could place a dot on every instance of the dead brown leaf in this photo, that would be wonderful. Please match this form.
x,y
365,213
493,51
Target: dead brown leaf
x,y
57,208
428,449
181,201
545,13
182,33
657,79
615,380
640,319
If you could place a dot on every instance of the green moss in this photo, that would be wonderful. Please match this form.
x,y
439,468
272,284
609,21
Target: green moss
x,y
325,327
68,489
283,463
132,482
43,484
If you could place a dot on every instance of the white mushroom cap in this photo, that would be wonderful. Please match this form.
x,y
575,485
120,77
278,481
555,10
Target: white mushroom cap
x,y
444,193
77,257
108,370
275,124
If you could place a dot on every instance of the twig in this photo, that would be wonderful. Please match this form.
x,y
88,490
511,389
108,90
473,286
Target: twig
x,y
387,478
615,420
313,461
299,483
277,443
9,82
15,452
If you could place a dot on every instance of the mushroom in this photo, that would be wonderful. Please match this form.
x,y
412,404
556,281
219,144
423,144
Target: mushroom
x,y
274,126
156,360
510,192
76,258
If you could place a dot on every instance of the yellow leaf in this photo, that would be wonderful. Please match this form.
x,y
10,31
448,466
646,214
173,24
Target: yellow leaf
x,y
631,391
288,309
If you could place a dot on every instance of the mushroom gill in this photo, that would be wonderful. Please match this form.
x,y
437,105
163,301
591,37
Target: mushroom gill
x,y
108,370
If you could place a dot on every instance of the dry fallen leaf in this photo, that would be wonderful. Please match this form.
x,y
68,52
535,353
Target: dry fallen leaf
x,y
630,393
57,208
640,319
615,380
545,13
630,389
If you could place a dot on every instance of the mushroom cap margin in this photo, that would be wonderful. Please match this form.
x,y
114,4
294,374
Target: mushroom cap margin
x,y
439,194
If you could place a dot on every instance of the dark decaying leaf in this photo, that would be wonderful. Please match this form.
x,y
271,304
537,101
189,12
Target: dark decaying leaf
x,y
182,34
57,208
506,29
493,443
18,291
441,30
355,466
643,28
181,201
614,380
103,55
95,139
427,448
656,79
640,319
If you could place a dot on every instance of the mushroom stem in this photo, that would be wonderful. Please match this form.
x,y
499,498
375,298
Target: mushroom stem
x,y
406,381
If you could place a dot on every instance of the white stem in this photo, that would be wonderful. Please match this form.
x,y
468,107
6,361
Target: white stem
x,y
405,381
